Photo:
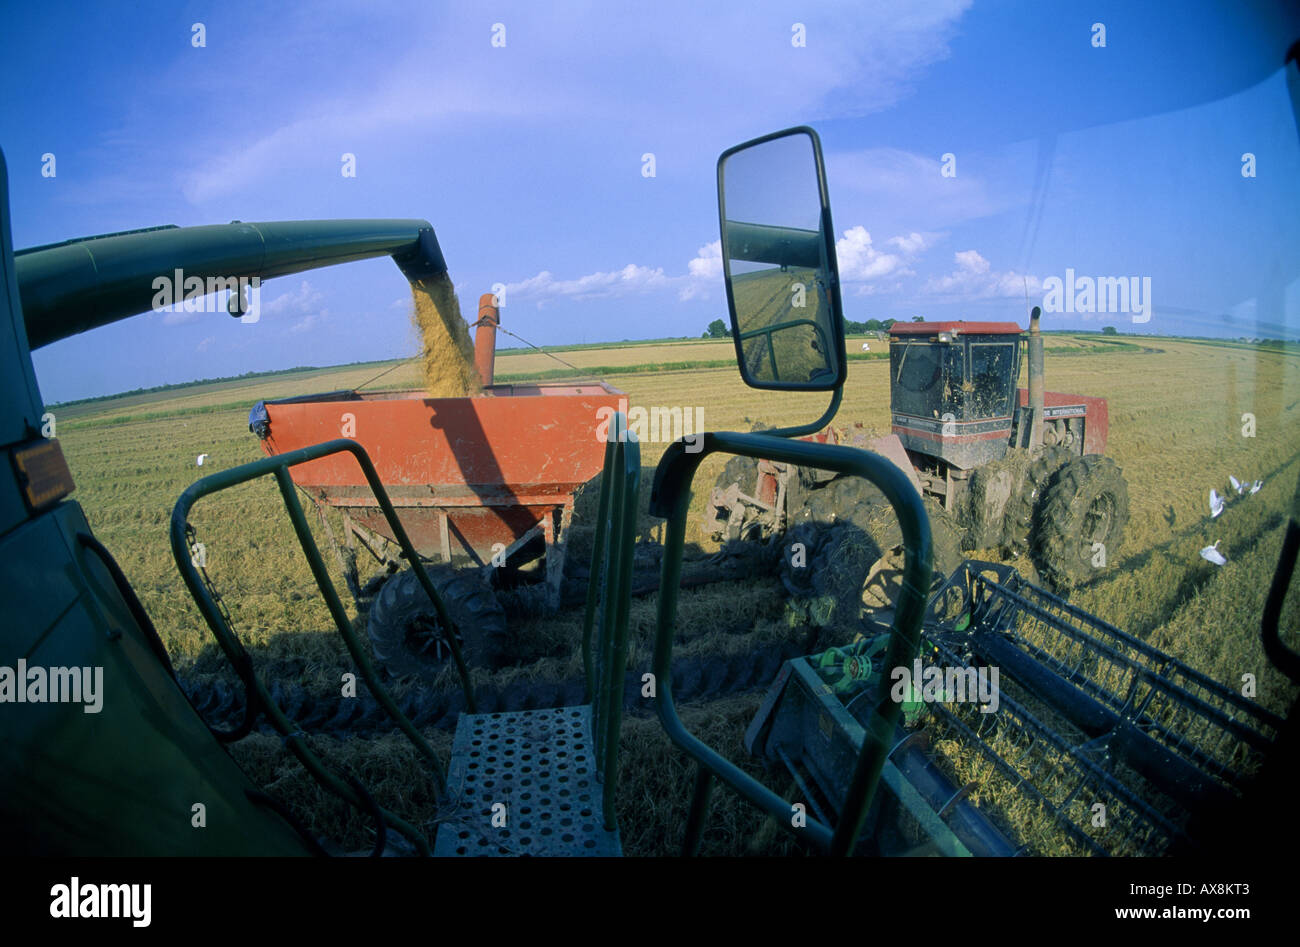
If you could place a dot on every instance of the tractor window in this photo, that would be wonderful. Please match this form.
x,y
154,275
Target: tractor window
x,y
926,378
917,371
991,383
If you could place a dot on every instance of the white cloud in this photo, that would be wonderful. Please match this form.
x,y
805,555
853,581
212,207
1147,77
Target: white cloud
x,y
975,278
703,272
305,300
306,323
903,186
860,260
913,243
631,279
205,343
562,66
708,261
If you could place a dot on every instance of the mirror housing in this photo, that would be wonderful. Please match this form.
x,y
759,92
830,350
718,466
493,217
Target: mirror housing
x,y
778,259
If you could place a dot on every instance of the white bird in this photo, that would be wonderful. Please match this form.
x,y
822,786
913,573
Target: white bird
x,y
202,458
866,347
1216,503
1236,484
1254,487
1212,554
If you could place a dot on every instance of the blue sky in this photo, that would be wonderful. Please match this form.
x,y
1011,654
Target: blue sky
x,y
1115,161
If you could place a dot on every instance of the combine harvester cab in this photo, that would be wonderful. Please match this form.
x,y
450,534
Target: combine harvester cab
x,y
73,786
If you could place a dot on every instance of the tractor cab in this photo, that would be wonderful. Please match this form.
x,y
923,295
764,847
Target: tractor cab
x,y
952,388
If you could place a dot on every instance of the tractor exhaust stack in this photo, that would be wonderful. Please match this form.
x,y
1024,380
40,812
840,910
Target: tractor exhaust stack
x,y
1035,380
485,338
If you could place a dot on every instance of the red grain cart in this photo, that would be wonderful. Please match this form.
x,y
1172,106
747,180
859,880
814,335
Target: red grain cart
x,y
477,480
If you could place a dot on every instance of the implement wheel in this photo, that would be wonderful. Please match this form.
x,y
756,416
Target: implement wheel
x,y
1083,521
407,637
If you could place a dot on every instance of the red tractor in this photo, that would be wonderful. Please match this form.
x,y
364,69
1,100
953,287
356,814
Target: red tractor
x,y
1022,469
1017,469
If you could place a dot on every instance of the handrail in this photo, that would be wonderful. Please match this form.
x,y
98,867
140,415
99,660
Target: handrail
x,y
670,498
613,549
769,330
279,466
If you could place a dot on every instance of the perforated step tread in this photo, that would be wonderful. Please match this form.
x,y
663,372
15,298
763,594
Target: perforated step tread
x,y
541,764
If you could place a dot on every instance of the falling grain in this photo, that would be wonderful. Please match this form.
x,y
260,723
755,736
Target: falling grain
x,y
448,356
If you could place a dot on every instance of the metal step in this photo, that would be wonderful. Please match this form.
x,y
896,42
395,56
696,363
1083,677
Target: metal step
x,y
540,765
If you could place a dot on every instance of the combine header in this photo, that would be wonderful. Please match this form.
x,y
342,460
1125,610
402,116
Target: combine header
x,y
1116,742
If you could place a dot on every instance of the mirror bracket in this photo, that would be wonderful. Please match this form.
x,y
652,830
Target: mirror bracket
x,y
803,430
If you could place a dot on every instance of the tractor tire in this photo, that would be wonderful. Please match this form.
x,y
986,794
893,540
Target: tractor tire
x,y
1087,505
991,500
1025,511
405,634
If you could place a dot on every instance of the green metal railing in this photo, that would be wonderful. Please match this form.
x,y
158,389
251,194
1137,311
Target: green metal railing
x,y
670,498
278,466
607,613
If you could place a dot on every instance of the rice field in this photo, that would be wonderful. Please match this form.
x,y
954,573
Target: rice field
x,y
1176,429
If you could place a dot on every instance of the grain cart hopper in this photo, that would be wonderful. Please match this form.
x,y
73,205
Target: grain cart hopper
x,y
478,481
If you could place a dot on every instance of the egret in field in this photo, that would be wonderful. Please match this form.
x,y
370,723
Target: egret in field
x,y
1216,503
1212,554
202,458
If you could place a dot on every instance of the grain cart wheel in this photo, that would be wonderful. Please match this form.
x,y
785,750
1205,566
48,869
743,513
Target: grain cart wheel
x,y
734,518
1026,506
1083,520
405,633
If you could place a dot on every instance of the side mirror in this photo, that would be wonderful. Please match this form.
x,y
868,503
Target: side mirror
x,y
778,256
